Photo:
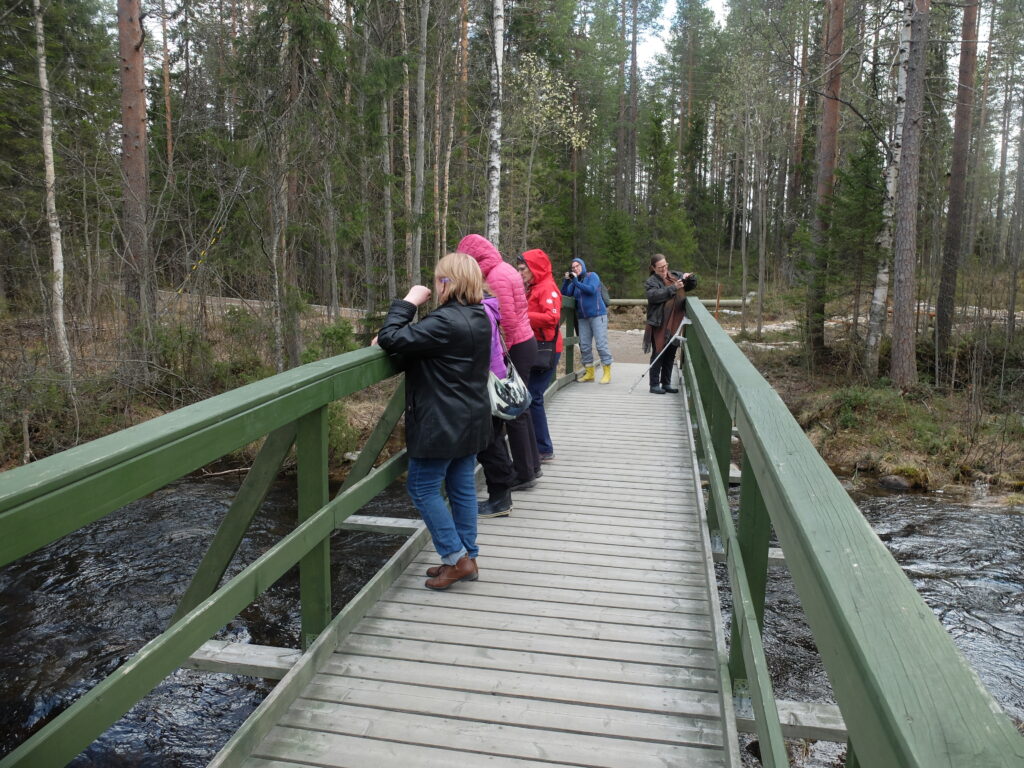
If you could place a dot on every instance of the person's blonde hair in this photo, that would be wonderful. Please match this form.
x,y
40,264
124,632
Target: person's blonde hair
x,y
465,280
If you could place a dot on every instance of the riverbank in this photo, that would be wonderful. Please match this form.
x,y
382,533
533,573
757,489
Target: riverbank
x,y
967,443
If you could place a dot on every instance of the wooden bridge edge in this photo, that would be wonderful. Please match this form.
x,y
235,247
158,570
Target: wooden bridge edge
x,y
730,734
263,719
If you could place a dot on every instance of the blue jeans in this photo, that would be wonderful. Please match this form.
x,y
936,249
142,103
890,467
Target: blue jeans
x,y
452,529
594,329
540,378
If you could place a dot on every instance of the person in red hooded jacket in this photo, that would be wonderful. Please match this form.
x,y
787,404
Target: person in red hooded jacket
x,y
544,306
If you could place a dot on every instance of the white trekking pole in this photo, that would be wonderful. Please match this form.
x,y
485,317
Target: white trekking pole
x,y
677,335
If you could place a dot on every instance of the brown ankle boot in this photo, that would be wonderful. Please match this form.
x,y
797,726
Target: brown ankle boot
x,y
446,575
435,570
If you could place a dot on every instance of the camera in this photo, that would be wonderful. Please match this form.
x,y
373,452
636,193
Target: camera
x,y
690,282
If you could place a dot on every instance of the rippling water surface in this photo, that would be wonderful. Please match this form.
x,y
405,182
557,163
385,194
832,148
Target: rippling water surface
x,y
73,612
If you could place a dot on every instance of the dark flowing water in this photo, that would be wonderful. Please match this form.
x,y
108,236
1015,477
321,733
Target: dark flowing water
x,y
73,612
968,565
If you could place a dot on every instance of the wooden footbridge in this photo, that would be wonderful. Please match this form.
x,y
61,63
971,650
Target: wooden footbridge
x,y
593,636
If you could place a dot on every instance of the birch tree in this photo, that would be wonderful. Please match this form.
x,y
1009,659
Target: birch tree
x,y
493,227
52,220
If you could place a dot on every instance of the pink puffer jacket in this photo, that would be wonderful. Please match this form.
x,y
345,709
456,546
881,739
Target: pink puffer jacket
x,y
505,283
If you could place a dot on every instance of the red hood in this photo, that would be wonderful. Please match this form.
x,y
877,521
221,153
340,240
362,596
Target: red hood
x,y
539,264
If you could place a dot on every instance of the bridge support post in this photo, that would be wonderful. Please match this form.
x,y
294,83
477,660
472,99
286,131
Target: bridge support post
x,y
315,567
753,535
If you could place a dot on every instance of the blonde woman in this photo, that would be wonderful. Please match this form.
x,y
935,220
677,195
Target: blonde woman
x,y
448,412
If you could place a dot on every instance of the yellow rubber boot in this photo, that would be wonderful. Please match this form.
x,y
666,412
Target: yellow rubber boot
x,y
589,375
606,377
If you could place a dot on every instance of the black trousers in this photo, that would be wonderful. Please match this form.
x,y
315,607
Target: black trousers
x,y
496,462
522,439
502,470
661,371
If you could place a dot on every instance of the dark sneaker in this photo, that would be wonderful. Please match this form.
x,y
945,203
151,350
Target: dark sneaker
x,y
525,485
657,391
546,457
669,390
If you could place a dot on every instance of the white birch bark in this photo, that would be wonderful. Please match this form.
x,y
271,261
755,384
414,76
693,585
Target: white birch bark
x,y
494,131
53,221
880,296
421,140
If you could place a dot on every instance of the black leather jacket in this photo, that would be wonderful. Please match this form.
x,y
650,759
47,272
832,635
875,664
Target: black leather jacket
x,y
658,294
446,358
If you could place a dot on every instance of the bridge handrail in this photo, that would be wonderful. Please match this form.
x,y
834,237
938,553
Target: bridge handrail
x,y
43,501
107,473
909,698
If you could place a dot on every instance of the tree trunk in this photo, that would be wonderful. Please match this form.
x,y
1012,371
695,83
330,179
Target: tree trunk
x,y
494,132
406,141
904,355
421,142
331,225
56,246
1018,238
634,108
534,139
880,296
957,179
1003,149
828,140
139,287
389,218
166,66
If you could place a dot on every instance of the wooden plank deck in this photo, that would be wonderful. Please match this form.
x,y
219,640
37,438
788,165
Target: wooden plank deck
x,y
590,638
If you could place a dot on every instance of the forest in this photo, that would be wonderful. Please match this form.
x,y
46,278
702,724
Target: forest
x,y
196,194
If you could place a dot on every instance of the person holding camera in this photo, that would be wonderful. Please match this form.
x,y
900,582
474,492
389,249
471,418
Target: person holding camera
x,y
666,301
446,357
592,314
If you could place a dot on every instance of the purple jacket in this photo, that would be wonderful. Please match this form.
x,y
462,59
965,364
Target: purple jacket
x,y
498,367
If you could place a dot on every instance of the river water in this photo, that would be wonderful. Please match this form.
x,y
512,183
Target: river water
x,y
73,612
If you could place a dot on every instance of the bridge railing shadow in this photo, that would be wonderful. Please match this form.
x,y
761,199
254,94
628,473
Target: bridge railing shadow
x,y
907,695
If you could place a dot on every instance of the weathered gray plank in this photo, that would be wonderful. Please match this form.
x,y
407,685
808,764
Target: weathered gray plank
x,y
526,534
589,595
566,628
626,723
644,698
470,600
539,526
503,571
338,751
641,568
482,657
243,659
581,545
494,739
702,657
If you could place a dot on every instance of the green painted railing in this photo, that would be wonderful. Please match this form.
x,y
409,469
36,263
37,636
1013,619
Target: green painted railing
x,y
41,502
909,698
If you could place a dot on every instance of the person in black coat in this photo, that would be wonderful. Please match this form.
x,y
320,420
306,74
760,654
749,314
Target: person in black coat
x,y
666,299
448,411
